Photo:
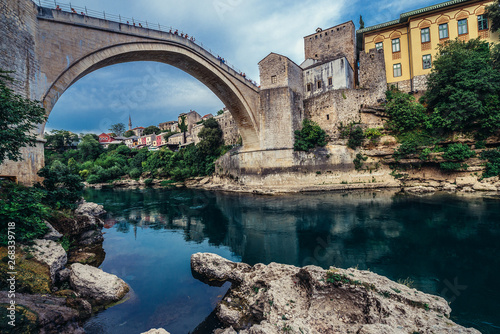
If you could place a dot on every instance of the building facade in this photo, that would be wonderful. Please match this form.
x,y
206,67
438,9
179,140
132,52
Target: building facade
x,y
410,42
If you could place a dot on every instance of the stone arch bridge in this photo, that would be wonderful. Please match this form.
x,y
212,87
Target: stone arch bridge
x,y
50,50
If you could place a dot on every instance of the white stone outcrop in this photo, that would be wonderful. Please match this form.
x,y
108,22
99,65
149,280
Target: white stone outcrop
x,y
52,254
281,298
90,209
94,284
156,331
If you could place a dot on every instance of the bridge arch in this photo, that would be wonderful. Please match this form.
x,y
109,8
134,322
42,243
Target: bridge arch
x,y
230,90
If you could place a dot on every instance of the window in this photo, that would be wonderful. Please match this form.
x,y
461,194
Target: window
x,y
482,22
426,35
327,117
274,79
397,70
462,27
426,62
443,30
379,45
319,84
330,81
309,87
395,45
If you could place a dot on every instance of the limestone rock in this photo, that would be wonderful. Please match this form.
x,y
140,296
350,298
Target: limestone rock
x,y
319,301
52,254
52,234
94,284
44,314
90,209
420,190
466,181
479,186
449,187
91,237
63,275
468,190
156,331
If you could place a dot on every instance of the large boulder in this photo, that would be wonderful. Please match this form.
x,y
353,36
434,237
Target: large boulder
x,y
90,209
315,300
42,314
94,284
52,233
52,254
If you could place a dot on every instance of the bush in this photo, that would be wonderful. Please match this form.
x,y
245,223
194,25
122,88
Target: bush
x,y
23,207
354,133
458,152
309,137
453,166
412,143
61,187
148,182
493,164
358,161
135,173
373,134
405,113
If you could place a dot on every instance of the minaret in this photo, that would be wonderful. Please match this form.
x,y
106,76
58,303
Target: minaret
x,y
129,122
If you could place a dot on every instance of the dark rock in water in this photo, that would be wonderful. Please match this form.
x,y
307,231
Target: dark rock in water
x,y
43,314
281,298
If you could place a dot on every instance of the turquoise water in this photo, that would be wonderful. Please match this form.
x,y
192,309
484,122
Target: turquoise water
x,y
446,244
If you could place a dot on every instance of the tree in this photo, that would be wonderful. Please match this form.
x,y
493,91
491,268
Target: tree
x,y
169,134
220,112
405,113
129,133
19,117
493,14
117,128
361,22
60,139
183,127
89,148
152,130
463,89
210,138
309,137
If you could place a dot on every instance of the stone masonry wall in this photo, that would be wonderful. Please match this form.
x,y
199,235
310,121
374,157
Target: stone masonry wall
x,y
18,25
230,132
332,43
372,70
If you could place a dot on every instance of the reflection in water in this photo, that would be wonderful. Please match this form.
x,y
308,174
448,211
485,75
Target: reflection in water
x,y
446,244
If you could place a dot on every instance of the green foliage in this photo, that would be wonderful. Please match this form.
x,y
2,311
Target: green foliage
x,y
458,152
463,89
358,161
220,112
23,207
413,143
480,144
453,166
309,137
135,173
493,14
354,133
152,130
62,188
361,22
210,139
89,148
183,126
493,164
148,182
118,128
405,113
169,134
373,134
59,140
129,133
18,118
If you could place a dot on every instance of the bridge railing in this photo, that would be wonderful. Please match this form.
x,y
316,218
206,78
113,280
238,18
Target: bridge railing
x,y
68,7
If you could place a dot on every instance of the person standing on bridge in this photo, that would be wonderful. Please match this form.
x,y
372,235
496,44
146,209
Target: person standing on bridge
x,y
58,8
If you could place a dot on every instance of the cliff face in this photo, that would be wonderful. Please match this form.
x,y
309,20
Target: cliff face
x,y
281,298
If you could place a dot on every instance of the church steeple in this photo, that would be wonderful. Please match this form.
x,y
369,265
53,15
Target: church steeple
x,y
129,122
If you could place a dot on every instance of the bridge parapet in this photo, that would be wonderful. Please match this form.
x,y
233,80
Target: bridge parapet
x,y
81,16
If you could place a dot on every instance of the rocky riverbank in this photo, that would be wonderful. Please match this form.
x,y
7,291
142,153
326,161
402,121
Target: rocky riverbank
x,y
281,298
57,289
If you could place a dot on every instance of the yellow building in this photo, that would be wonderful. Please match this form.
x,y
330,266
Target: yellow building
x,y
410,43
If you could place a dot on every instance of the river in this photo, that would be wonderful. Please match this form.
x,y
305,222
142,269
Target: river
x,y
448,245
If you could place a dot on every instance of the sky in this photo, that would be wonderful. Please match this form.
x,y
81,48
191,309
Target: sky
x,y
243,32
